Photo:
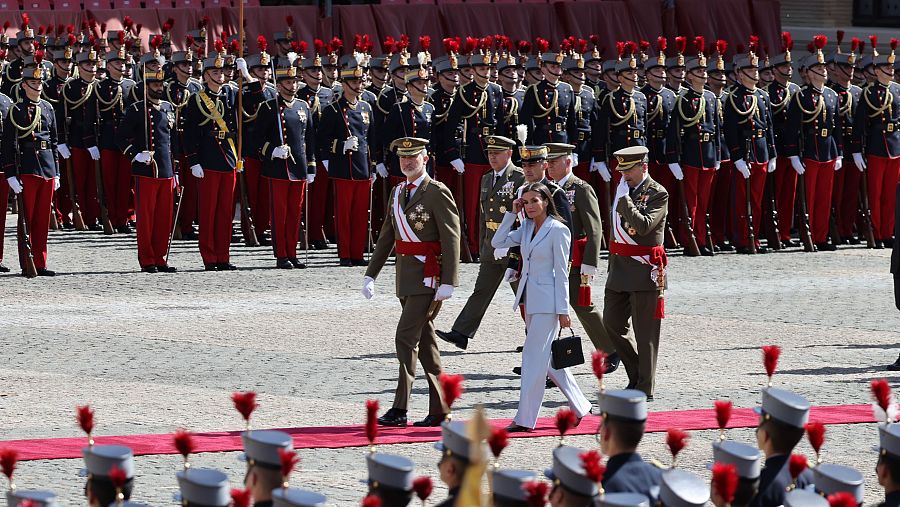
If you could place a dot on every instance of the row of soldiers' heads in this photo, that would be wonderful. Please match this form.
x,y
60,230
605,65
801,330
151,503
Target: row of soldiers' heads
x,y
576,475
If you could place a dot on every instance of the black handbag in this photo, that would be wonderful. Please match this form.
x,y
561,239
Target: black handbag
x,y
566,352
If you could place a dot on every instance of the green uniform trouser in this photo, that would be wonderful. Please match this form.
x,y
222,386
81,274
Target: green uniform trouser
x,y
589,316
638,354
490,276
416,341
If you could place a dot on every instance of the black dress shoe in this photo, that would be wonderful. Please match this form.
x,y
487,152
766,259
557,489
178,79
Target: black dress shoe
x,y
165,268
359,262
725,247
46,272
458,339
878,244
149,269
826,247
69,226
790,243
393,417
612,362
630,385
744,251
95,227
519,349
211,267
549,384
649,397
296,263
227,266
4,269
851,240
578,421
706,252
515,428
888,243
517,370
189,236
319,244
124,229
762,250
687,253
346,263
283,263
264,242
895,366
430,421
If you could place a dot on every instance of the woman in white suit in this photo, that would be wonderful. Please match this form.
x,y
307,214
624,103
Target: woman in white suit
x,y
545,242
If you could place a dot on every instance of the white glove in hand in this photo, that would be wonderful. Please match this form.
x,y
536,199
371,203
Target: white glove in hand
x,y
604,171
55,183
242,66
838,164
282,152
500,253
444,291
718,165
510,275
143,157
797,165
521,133
859,161
742,168
772,165
458,165
94,152
381,170
574,159
368,288
63,150
197,171
325,165
351,144
676,171
15,185
588,270
310,178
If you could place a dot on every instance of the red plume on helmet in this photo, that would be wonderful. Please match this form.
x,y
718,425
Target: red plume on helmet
x,y
565,420
389,45
620,49
262,43
771,353
842,499
498,441
289,461
38,56
699,44
184,444
189,41
403,43
240,497
450,45
565,46
26,20
85,417
796,465
819,41
541,45
219,46
451,386
423,487
524,47
599,363
425,43
873,41
117,477
371,421
723,415
644,45
8,460
593,466
676,440
244,403
787,42
319,46
721,47
815,431
661,44
155,41
371,501
881,392
301,47
725,481
289,19
336,45
536,491
486,43
680,44
120,37
470,45
894,42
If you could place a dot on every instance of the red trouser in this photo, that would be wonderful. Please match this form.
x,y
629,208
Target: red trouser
x,y
698,184
189,197
471,200
116,169
757,186
846,196
85,185
216,215
320,204
61,197
882,175
257,194
37,194
153,199
662,175
447,175
285,208
583,171
4,198
352,216
720,207
819,178
785,194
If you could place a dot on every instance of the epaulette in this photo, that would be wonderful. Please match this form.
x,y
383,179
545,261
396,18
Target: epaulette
x,y
566,86
588,90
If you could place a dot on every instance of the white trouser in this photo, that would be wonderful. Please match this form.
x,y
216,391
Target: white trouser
x,y
542,329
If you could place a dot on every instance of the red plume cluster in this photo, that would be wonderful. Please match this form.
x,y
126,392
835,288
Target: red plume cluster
x,y
300,47
8,460
541,45
725,481
620,49
26,20
894,42
451,386
797,464
245,403
819,41
680,43
425,42
451,45
840,37
117,477
184,442
854,44
498,441
28,503
336,45
842,499
873,41
240,497
645,45
565,420
262,43
599,363
699,44
676,440
524,47
371,420
289,20
723,413
371,501
289,461
189,41
85,417
721,47
423,487
403,43
536,493
881,391
593,466
771,353
39,56
661,44
815,431
156,41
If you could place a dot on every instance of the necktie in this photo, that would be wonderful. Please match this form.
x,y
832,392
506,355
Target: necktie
x,y
409,188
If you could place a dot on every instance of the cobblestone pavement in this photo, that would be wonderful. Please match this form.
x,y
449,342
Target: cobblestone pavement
x,y
153,353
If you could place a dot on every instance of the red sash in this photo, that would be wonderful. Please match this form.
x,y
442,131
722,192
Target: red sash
x,y
658,258
584,290
430,249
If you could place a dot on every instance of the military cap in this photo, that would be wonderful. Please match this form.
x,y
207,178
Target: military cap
x,y
261,447
499,143
889,439
120,55
391,471
630,157
183,57
592,55
879,59
204,486
454,437
198,35
626,63
13,41
62,54
25,34
286,72
100,459
744,60
696,62
415,71
152,56
848,59
608,65
552,57
804,498
285,36
32,68
87,56
153,77
509,484
568,471
379,62
673,62
624,404
39,497
481,59
508,61
445,63
863,61
410,147
398,60
745,458
532,63
259,60
310,62
784,406
570,64
557,150
294,497
353,70
680,488
830,479
349,59
623,500
781,59
214,61
533,153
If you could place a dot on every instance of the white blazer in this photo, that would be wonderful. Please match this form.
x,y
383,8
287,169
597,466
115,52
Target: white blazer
x,y
545,263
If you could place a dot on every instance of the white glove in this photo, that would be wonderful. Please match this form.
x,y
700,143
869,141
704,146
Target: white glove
x,y
351,144
368,288
588,270
797,165
94,152
242,66
381,170
15,185
521,133
772,165
510,275
859,161
310,178
676,171
604,171
742,168
500,253
197,171
444,291
458,165
63,150
718,165
143,157
574,159
282,152
838,164
325,165
55,183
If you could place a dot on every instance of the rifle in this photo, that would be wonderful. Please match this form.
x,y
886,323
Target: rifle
x,y
77,219
690,245
803,216
248,229
865,210
98,174
26,255
54,224
465,253
832,224
751,238
773,233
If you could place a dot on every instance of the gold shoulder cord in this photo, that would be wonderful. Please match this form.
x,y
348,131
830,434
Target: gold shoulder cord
x,y
178,105
657,109
553,105
812,115
888,102
623,118
482,102
693,120
110,104
75,104
220,109
438,118
29,129
777,107
752,109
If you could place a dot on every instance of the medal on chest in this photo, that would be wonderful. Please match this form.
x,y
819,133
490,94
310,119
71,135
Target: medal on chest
x,y
365,116
418,217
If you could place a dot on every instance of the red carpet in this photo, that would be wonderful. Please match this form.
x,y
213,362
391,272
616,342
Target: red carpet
x,y
333,437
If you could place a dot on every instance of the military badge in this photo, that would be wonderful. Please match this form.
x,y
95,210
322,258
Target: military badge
x,y
365,117
302,115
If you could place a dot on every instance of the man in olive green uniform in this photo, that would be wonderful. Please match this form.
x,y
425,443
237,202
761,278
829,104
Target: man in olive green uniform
x,y
498,189
422,224
586,233
637,267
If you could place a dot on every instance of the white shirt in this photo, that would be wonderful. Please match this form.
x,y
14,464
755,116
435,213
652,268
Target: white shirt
x,y
417,183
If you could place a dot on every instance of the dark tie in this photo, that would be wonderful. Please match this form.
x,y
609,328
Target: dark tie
x,y
409,189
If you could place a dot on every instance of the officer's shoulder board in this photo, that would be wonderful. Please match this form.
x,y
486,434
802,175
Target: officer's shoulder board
x,y
640,94
587,90
562,85
193,80
269,86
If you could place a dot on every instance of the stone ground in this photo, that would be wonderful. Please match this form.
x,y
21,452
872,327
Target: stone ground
x,y
152,353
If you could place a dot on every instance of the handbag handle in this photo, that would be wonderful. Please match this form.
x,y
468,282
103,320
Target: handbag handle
x,y
559,335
